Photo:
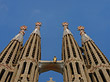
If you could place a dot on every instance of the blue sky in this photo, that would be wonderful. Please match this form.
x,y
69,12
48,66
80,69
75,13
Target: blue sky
x,y
94,15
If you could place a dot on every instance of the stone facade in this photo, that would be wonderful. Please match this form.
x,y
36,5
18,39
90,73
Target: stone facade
x,y
79,64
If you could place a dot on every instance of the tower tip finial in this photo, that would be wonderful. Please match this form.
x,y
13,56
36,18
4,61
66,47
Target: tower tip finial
x,y
23,27
65,25
81,28
38,23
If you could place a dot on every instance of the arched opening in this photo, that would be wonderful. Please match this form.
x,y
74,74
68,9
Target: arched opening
x,y
44,77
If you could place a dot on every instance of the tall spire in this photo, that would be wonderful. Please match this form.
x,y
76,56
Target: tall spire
x,y
10,55
66,30
97,63
84,36
74,67
19,36
30,56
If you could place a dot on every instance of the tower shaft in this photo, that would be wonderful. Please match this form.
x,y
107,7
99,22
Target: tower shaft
x,y
98,65
27,67
74,67
10,56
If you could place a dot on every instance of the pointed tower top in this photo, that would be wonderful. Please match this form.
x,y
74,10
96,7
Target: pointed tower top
x,y
23,28
66,30
19,36
81,29
84,36
37,28
65,25
38,24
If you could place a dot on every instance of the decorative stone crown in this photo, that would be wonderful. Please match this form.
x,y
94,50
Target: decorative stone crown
x,y
81,28
38,23
65,24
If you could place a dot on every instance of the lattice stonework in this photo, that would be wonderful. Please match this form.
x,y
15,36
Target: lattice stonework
x,y
79,64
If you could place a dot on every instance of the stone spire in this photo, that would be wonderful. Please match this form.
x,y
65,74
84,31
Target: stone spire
x,y
66,30
84,36
10,55
27,67
19,36
74,67
96,62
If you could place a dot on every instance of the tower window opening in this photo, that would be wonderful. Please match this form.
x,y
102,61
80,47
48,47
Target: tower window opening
x,y
64,54
78,68
108,71
67,73
67,48
71,66
11,74
37,55
1,59
98,54
77,48
33,54
96,77
2,73
10,55
73,50
7,76
30,68
15,58
102,75
24,48
88,56
29,47
24,66
95,60
91,77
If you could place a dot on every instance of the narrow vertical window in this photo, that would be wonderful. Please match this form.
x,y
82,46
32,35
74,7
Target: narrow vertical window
x,y
30,68
67,72
23,69
78,68
95,60
108,71
2,73
71,66
91,77
96,77
102,75
67,48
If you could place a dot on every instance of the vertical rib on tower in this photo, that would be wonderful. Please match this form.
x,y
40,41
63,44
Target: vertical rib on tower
x,y
10,55
99,68
74,68
27,68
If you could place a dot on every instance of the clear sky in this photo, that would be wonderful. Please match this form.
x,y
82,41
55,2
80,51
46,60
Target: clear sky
x,y
94,15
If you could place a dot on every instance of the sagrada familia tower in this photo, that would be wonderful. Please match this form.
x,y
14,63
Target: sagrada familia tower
x,y
20,63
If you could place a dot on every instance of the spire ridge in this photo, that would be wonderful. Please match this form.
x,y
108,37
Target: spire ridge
x,y
19,36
